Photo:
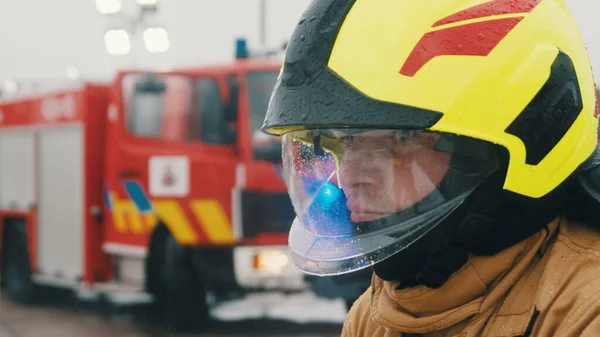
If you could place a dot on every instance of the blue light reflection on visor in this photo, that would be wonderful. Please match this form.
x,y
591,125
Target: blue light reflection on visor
x,y
327,214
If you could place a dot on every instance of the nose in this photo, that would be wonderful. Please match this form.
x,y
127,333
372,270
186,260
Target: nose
x,y
354,170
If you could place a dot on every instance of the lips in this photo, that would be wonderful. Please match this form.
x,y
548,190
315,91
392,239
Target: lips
x,y
366,217
358,205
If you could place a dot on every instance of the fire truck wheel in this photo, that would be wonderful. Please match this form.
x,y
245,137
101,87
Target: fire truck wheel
x,y
16,272
185,295
155,263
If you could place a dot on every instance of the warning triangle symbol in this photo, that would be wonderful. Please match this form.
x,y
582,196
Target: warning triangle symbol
x,y
168,178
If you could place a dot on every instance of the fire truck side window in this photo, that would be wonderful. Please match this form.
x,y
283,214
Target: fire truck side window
x,y
214,127
260,86
158,106
149,124
231,109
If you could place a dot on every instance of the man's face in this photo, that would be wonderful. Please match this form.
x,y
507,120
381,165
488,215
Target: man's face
x,y
382,173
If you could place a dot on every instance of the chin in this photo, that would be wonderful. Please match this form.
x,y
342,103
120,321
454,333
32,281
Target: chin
x,y
366,217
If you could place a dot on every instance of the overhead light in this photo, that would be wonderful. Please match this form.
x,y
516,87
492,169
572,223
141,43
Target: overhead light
x,y
147,3
117,42
11,87
108,6
72,73
156,40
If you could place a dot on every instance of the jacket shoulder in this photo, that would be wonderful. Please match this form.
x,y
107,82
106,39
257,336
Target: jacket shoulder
x,y
359,321
570,287
580,237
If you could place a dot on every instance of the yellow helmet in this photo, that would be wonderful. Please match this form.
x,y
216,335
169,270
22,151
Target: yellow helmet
x,y
512,73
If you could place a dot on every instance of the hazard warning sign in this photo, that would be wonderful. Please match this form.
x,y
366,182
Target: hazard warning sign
x,y
169,176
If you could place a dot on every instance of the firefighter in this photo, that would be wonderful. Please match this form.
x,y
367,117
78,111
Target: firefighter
x,y
451,145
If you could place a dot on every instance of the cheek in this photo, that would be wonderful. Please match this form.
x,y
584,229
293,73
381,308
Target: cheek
x,y
435,165
429,165
417,176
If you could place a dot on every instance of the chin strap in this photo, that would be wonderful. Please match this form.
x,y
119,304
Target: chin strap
x,y
442,263
449,258
446,248
589,179
583,204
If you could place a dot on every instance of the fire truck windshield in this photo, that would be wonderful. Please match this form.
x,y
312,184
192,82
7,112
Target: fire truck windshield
x,y
260,86
180,108
159,106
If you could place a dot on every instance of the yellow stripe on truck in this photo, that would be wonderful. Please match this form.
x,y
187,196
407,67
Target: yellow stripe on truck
x,y
213,220
150,221
136,220
120,209
126,216
173,216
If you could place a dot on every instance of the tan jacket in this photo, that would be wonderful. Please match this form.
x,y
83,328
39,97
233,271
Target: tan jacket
x,y
547,285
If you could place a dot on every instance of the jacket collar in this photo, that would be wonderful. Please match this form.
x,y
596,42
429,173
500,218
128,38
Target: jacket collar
x,y
471,296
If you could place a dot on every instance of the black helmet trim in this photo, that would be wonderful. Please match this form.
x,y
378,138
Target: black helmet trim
x,y
548,117
329,102
310,45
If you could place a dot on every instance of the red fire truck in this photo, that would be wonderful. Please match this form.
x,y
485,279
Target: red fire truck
x,y
158,184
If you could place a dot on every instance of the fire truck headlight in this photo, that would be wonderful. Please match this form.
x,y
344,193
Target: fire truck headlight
x,y
117,42
271,261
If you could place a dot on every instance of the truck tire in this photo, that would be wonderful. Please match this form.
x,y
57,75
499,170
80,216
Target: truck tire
x,y
15,273
184,300
155,263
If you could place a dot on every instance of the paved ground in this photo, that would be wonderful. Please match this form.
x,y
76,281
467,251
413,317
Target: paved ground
x,y
60,318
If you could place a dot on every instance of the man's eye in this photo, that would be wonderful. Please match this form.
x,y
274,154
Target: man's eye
x,y
404,135
348,139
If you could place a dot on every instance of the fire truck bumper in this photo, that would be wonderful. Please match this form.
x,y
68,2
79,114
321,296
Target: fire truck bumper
x,y
266,267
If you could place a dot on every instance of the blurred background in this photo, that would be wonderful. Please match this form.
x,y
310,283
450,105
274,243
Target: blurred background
x,y
81,39
137,194
91,40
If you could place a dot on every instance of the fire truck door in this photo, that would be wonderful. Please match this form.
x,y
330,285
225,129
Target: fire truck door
x,y
17,151
176,163
60,214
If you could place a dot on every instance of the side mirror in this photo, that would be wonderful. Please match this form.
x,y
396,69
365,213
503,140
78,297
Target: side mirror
x,y
146,106
216,115
232,106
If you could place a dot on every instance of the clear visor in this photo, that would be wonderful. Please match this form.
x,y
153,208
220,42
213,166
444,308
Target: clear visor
x,y
361,196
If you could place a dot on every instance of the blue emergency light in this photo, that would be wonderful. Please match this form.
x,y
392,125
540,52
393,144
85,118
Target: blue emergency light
x,y
241,49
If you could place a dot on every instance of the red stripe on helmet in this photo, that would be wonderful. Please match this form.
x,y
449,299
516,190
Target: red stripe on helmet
x,y
475,39
491,8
